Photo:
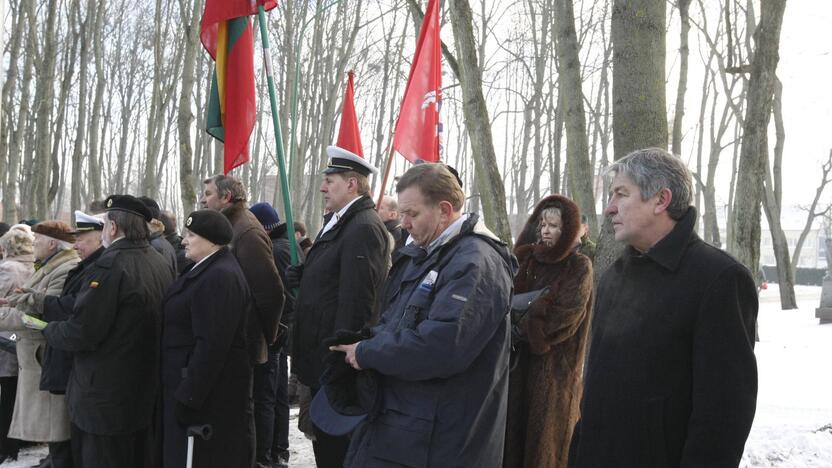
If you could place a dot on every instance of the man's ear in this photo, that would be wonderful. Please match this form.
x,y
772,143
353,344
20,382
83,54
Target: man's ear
x,y
446,209
226,198
663,199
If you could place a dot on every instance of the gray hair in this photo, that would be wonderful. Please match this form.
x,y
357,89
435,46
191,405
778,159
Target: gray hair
x,y
653,169
228,184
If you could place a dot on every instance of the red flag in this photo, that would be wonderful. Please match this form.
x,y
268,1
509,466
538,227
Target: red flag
x,y
349,138
227,35
418,127
217,11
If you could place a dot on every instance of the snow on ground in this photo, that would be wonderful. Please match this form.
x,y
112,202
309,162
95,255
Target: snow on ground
x,y
793,425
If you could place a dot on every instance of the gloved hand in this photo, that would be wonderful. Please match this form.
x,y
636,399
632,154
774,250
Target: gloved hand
x,y
28,301
187,416
347,337
293,275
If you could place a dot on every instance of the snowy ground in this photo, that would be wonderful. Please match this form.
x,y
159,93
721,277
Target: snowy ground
x,y
793,426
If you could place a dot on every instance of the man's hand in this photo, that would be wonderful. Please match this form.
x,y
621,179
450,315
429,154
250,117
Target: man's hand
x,y
349,350
28,300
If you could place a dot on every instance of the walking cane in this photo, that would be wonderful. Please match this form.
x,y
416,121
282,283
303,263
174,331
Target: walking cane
x,y
204,431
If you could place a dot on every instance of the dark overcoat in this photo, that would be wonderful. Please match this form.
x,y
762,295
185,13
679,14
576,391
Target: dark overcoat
x,y
253,251
442,350
57,363
671,378
546,382
113,333
343,271
205,364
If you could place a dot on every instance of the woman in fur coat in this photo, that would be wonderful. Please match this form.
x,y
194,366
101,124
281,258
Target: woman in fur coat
x,y
545,383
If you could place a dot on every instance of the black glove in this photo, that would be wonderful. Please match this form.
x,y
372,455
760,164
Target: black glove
x,y
187,416
293,275
347,337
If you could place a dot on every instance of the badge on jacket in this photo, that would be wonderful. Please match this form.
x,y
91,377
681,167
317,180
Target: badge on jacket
x,y
429,280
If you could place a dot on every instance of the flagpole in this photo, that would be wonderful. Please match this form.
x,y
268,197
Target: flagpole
x,y
281,162
386,171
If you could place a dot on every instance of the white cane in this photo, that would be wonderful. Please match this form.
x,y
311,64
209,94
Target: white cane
x,y
204,431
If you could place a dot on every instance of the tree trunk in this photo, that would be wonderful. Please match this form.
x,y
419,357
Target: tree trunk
x,y
100,7
745,241
150,185
9,177
577,150
773,194
638,93
77,153
9,194
684,17
477,122
185,116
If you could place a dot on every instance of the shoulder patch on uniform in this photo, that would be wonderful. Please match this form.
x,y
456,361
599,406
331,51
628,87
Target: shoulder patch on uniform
x,y
94,284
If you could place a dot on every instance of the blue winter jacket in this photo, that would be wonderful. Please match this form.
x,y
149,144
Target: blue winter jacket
x,y
442,350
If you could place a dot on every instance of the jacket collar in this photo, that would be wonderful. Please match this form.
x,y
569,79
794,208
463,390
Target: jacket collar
x,y
91,259
58,259
195,271
233,211
668,252
362,203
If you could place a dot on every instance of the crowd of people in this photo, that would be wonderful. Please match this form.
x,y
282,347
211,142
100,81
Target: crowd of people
x,y
409,334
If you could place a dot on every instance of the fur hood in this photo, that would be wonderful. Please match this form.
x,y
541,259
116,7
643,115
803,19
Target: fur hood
x,y
529,239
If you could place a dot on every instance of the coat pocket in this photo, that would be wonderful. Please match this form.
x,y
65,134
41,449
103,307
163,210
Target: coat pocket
x,y
402,439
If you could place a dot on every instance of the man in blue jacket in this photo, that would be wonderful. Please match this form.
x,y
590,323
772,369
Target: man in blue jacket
x,y
442,346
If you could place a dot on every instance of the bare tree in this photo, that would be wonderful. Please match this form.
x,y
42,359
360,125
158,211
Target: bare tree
x,y
638,87
477,122
745,241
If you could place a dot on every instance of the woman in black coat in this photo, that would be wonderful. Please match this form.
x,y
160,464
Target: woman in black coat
x,y
206,376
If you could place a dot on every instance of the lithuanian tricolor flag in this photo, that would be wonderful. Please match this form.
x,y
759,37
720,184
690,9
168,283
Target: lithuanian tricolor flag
x,y
226,34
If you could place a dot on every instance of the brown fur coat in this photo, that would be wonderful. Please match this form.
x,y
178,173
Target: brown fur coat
x,y
545,386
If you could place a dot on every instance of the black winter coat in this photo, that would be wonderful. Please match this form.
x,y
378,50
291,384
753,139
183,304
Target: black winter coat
x,y
671,378
343,271
282,259
205,365
113,333
57,363
165,249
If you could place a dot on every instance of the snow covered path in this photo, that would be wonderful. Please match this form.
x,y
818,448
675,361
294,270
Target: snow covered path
x,y
793,425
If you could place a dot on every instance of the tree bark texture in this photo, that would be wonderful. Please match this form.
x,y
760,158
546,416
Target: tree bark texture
x,y
638,93
745,241
477,122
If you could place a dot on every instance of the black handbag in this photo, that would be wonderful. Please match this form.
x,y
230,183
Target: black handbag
x,y
520,305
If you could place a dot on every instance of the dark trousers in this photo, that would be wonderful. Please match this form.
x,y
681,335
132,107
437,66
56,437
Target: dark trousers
x,y
264,398
280,445
105,451
60,454
8,392
330,451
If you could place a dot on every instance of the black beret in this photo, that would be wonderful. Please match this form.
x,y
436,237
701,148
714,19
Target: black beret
x,y
211,225
129,204
152,206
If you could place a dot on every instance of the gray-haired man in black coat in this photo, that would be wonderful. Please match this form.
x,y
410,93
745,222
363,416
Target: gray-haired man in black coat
x,y
671,378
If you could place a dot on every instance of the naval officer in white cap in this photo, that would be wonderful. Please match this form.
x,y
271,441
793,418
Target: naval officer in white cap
x,y
337,285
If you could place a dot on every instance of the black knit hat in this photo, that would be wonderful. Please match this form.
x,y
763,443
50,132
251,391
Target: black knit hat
x,y
151,205
211,225
129,204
